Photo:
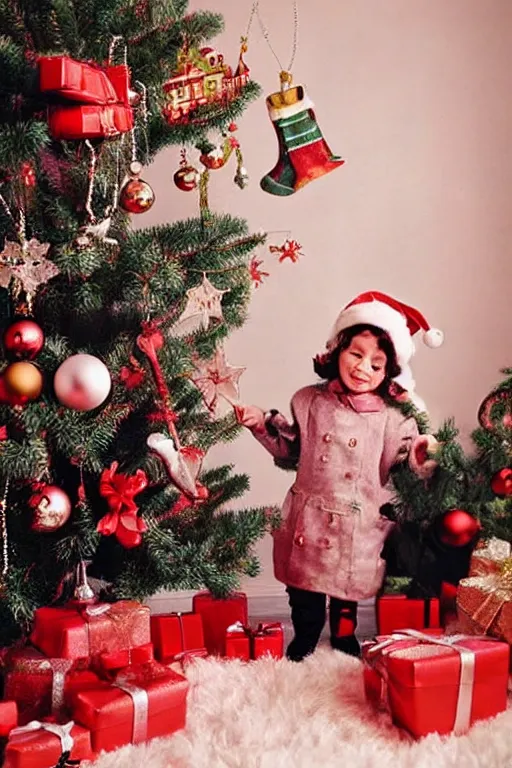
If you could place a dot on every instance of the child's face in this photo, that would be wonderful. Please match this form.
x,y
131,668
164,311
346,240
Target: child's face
x,y
362,366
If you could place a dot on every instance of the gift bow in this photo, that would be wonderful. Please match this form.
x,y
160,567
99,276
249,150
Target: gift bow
x,y
498,589
261,630
120,490
467,666
63,732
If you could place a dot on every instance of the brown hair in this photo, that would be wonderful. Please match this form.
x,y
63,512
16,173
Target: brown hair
x,y
327,368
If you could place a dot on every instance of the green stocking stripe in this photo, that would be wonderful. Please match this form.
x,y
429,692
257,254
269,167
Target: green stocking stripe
x,y
299,131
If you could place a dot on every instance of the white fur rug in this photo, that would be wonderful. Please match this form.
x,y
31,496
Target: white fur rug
x,y
277,714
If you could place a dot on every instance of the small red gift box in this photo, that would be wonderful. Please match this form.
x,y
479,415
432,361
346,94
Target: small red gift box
x,y
173,633
395,612
218,615
89,122
437,684
8,717
120,659
40,684
71,633
75,80
142,703
246,643
39,745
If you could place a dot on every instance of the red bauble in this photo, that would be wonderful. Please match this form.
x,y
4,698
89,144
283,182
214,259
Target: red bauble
x,y
186,178
52,508
23,340
136,196
457,528
501,482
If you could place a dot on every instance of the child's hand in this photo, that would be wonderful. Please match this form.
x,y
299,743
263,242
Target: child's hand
x,y
421,460
250,416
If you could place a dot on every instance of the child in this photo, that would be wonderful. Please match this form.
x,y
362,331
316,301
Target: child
x,y
345,437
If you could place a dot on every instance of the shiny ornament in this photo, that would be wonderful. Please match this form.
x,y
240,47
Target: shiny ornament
x,y
23,340
52,508
501,482
82,382
457,528
28,174
186,178
23,382
136,196
214,160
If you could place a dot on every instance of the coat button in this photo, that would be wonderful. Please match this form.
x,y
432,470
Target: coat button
x,y
327,437
352,442
348,475
324,459
299,540
326,543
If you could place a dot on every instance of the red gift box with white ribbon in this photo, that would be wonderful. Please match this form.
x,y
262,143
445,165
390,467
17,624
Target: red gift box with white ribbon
x,y
436,684
40,744
8,717
251,643
174,633
141,703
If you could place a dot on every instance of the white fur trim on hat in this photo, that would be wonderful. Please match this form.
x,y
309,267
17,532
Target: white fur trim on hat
x,y
382,316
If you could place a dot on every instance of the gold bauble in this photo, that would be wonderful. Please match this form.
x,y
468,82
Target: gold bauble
x,y
23,380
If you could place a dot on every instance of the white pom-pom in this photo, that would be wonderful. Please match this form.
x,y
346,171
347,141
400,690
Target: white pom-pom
x,y
433,338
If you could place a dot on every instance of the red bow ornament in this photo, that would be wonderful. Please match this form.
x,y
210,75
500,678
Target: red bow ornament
x,y
94,100
120,490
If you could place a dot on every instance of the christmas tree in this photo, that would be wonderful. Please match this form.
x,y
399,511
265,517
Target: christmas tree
x,y
114,372
468,499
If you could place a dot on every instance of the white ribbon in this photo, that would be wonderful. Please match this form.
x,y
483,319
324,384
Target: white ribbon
x,y
467,667
140,699
236,627
63,732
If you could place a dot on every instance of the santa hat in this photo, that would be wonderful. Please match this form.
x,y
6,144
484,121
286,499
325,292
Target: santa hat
x,y
398,320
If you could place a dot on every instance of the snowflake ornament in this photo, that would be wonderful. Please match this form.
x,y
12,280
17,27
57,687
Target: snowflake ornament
x,y
203,304
216,378
28,264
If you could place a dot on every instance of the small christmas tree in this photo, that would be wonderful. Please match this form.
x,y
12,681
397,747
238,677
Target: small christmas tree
x,y
114,367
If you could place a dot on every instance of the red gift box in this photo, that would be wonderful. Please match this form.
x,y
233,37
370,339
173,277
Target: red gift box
x,y
71,633
182,660
120,659
142,703
437,684
89,122
173,633
8,717
40,684
35,747
218,615
246,643
395,612
75,80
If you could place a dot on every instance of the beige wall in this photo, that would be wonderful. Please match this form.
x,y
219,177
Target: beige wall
x,y
416,95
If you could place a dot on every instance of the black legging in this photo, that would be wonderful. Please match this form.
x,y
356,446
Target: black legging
x,y
308,618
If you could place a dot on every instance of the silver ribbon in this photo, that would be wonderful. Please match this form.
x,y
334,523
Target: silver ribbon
x,y
467,667
63,732
140,699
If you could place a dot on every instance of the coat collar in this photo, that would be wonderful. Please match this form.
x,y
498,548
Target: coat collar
x,y
367,402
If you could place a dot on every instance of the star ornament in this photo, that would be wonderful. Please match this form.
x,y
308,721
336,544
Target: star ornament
x,y
203,304
216,378
28,264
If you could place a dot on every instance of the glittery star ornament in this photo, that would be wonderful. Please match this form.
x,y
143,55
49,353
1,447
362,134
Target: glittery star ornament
x,y
216,378
203,304
28,264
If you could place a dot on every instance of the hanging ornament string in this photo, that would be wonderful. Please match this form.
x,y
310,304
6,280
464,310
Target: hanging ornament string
x,y
284,73
3,530
19,225
91,176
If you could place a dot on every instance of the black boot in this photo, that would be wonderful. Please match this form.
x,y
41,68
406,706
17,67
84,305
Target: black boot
x,y
308,618
343,623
